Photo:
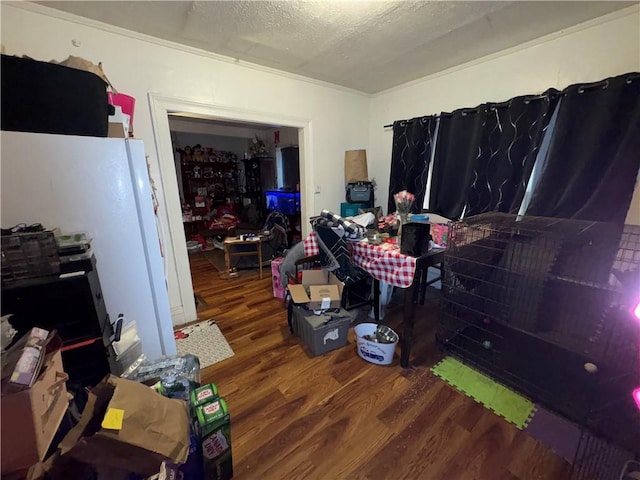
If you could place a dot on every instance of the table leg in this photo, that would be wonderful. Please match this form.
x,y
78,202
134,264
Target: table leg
x,y
423,285
376,300
227,260
407,325
260,256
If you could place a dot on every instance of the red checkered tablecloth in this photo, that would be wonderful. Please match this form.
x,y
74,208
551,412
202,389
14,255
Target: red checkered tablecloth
x,y
384,262
310,245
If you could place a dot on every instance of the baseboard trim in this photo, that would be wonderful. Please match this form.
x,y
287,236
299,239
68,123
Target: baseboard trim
x,y
178,317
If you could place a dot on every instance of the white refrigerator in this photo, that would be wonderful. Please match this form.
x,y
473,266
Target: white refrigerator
x,y
100,186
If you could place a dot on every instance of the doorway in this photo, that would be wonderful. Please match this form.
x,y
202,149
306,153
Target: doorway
x,y
183,308
233,176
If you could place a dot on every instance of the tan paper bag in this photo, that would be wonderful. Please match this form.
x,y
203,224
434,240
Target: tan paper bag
x,y
355,166
152,428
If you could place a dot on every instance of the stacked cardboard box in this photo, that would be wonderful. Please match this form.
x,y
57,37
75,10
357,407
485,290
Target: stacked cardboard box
x,y
317,317
32,413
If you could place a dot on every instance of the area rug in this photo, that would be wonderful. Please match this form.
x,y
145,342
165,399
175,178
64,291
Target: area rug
x,y
557,433
205,341
514,408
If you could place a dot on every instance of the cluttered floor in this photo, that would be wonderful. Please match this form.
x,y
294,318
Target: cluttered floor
x,y
337,416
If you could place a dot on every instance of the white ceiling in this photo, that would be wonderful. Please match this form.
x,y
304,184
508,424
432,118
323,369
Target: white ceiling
x,y
365,45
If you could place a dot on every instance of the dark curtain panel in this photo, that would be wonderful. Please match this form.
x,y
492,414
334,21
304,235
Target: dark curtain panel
x,y
412,143
594,156
512,134
459,149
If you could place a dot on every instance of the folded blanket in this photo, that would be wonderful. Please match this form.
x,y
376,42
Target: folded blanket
x,y
225,222
352,230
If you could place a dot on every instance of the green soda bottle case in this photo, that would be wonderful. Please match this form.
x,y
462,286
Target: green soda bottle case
x,y
214,434
204,394
212,415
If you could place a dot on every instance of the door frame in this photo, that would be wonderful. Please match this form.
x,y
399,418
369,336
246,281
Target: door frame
x,y
172,230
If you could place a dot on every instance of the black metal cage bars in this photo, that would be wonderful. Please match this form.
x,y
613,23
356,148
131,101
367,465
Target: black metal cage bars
x,y
545,306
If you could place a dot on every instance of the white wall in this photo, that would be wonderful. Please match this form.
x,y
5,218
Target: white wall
x,y
598,49
236,145
138,65
288,136
185,124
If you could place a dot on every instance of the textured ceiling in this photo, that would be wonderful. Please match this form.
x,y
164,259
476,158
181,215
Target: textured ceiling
x,y
368,46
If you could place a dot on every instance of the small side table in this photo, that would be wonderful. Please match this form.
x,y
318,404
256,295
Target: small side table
x,y
229,243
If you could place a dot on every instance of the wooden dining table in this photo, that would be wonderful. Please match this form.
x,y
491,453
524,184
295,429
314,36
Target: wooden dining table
x,y
386,263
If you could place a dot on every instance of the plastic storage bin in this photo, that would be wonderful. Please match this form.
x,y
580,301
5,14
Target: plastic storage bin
x,y
322,333
127,103
351,209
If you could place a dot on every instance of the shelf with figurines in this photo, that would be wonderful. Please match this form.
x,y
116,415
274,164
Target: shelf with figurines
x,y
208,172
198,154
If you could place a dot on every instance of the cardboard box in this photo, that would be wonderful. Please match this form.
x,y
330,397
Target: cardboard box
x,y
128,426
119,124
319,290
30,418
322,333
116,130
355,166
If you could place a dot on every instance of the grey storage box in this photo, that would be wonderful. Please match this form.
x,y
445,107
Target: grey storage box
x,y
322,333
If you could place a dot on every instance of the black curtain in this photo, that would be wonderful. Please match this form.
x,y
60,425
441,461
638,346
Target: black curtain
x,y
512,135
459,148
594,155
412,143
484,156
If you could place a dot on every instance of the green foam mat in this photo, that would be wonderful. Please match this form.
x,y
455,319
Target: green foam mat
x,y
514,408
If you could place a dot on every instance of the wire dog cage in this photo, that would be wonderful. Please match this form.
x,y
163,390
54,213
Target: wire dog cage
x,y
597,459
545,305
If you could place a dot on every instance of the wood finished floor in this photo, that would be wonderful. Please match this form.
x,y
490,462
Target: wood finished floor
x,y
338,417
